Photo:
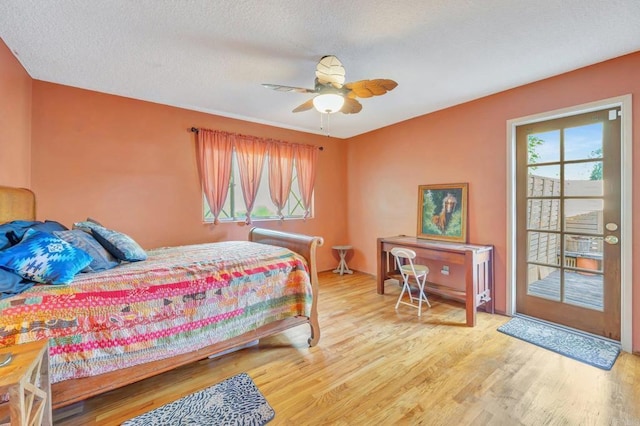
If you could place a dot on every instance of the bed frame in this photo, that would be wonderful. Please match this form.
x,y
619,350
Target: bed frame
x,y
20,204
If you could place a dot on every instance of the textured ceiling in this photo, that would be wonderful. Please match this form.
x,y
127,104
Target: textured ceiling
x,y
212,56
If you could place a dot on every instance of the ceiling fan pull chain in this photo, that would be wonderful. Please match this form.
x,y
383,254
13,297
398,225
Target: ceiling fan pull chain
x,y
322,127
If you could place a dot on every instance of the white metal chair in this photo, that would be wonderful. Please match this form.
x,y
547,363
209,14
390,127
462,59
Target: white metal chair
x,y
411,272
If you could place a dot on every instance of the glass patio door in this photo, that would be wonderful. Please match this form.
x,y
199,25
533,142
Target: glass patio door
x,y
568,221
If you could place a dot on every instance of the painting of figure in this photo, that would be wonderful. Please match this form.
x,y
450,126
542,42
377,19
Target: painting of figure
x,y
442,212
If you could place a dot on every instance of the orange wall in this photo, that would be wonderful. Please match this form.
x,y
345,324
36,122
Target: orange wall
x,y
15,121
467,143
132,166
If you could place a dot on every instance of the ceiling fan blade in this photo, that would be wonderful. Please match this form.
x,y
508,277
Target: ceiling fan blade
x,y
330,71
280,88
351,106
305,106
369,88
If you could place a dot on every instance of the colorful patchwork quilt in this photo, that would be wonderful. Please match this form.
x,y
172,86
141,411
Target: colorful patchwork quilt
x,y
179,300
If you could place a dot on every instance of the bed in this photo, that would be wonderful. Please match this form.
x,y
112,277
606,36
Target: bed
x,y
111,328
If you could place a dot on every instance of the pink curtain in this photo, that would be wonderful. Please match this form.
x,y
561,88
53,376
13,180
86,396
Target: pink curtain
x,y
306,160
281,157
250,153
214,166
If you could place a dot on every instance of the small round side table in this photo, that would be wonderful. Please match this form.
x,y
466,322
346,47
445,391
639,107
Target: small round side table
x,y
342,266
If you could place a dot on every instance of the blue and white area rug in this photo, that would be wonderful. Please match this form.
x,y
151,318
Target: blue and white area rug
x,y
581,347
235,401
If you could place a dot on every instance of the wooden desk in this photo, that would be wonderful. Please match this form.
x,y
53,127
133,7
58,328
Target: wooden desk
x,y
477,261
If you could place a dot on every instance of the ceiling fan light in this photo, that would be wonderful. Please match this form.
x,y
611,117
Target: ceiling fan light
x,y
328,103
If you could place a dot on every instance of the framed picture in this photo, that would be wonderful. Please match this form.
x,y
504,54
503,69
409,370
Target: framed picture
x,y
442,212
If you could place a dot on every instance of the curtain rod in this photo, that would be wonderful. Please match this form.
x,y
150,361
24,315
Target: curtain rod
x,y
196,130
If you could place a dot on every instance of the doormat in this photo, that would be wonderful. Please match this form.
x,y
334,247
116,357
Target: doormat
x,y
581,347
235,401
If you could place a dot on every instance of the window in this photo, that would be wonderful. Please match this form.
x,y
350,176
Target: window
x,y
228,163
235,210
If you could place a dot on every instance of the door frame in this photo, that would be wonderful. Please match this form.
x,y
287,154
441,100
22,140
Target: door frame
x,y
626,305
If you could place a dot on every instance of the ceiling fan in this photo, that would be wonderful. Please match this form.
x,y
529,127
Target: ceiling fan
x,y
332,93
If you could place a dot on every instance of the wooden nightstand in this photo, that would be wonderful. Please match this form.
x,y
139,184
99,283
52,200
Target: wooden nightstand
x,y
26,380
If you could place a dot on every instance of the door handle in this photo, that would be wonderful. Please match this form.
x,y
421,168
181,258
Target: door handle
x,y
611,239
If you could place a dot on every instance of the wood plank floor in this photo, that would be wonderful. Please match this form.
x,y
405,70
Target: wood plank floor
x,y
376,366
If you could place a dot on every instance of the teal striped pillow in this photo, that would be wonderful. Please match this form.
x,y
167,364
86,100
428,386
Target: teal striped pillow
x,y
122,246
118,244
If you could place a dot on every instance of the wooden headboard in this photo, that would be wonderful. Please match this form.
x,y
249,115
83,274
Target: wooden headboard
x,y
17,204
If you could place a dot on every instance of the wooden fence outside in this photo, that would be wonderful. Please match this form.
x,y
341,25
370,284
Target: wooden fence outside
x,y
544,215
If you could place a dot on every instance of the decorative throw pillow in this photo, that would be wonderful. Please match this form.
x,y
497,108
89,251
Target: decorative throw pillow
x,y
44,258
87,225
94,221
118,244
102,259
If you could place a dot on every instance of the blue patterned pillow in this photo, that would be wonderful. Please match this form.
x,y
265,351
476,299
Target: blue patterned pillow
x,y
102,259
44,258
120,245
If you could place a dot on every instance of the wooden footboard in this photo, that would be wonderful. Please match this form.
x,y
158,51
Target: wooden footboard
x,y
305,246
